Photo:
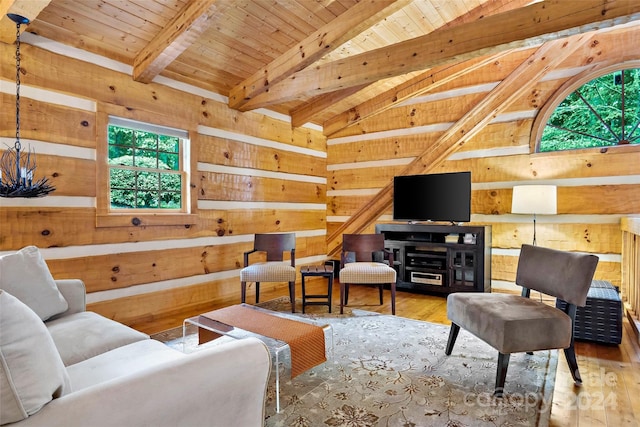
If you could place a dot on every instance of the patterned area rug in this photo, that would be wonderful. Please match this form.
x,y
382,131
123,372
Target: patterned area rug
x,y
392,371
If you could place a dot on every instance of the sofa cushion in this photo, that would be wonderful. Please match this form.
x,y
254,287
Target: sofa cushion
x,y
32,373
25,275
80,336
119,362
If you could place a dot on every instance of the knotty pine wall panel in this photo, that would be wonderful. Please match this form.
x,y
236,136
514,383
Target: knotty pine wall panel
x,y
60,227
64,173
48,122
116,271
135,273
67,75
153,306
495,136
588,163
362,177
221,186
415,115
513,134
277,220
346,205
227,152
602,238
380,148
218,115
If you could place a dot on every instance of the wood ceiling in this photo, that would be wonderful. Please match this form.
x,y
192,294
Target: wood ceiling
x,y
328,62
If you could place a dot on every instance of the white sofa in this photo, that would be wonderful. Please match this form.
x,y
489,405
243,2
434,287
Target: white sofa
x,y
77,368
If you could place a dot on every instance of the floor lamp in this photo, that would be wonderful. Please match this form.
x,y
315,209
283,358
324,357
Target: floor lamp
x,y
536,200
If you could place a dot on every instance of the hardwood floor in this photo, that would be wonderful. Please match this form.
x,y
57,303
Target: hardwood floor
x,y
609,395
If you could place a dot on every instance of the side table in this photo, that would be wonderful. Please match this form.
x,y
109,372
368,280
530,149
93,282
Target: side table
x,y
318,271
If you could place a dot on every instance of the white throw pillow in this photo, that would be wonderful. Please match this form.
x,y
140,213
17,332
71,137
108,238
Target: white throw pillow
x,y
31,370
25,275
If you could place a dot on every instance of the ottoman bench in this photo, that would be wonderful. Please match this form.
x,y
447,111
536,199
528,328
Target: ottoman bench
x,y
600,320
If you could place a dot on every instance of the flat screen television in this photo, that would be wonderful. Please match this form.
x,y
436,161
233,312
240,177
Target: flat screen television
x,y
432,197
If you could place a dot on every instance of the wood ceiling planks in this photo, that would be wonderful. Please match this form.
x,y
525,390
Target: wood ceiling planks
x,y
245,36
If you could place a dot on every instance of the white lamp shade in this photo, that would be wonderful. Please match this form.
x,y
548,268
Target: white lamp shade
x,y
534,199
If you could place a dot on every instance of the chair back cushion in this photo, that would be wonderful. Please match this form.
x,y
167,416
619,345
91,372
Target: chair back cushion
x,y
564,275
362,245
31,370
275,244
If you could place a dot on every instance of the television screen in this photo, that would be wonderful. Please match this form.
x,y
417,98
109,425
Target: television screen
x,y
432,197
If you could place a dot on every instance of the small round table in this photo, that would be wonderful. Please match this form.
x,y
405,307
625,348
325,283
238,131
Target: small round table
x,y
318,271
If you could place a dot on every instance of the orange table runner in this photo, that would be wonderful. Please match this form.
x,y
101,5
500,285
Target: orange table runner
x,y
306,341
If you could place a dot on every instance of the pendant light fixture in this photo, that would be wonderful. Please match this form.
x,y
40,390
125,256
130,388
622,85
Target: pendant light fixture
x,y
17,169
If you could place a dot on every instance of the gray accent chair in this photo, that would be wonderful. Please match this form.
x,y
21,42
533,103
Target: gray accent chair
x,y
275,269
516,323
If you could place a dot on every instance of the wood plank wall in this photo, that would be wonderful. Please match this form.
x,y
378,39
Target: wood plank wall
x,y
255,174
595,187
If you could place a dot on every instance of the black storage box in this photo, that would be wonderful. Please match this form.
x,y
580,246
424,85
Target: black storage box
x,y
600,320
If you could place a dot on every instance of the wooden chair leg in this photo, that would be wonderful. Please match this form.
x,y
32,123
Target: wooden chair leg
x,y
380,288
346,294
393,299
243,292
453,334
341,297
501,374
257,292
330,291
292,296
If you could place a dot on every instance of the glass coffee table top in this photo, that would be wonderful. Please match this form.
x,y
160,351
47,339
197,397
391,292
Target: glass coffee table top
x,y
279,350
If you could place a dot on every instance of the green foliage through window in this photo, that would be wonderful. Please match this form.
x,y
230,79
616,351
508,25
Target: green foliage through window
x,y
601,113
144,169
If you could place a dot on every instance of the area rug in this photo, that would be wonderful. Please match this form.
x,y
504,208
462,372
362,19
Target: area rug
x,y
392,371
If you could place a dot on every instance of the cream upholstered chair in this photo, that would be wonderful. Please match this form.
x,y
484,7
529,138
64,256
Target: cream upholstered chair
x,y
365,270
517,323
274,269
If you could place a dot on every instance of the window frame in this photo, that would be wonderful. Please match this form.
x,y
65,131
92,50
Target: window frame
x,y
543,116
108,217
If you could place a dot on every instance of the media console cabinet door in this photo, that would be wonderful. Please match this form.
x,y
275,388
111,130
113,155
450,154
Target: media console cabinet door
x,y
440,258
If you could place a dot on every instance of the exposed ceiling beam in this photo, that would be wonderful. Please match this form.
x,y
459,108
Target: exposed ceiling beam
x,y
328,38
513,87
28,8
172,40
421,84
523,27
317,105
304,113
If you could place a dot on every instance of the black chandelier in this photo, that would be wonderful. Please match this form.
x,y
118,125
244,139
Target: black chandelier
x,y
16,168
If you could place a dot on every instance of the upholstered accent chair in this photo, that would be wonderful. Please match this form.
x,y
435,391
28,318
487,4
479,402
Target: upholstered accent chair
x,y
360,266
275,268
516,323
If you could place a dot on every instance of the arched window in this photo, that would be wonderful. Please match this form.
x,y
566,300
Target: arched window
x,y
600,109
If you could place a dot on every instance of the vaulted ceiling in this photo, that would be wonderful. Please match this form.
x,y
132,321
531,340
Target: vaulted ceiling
x,y
328,62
